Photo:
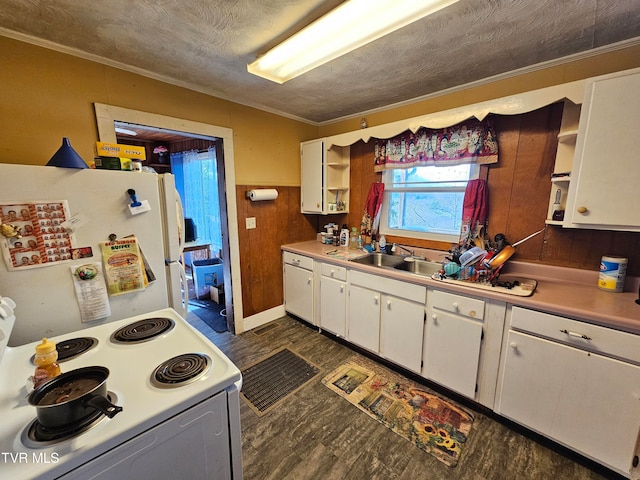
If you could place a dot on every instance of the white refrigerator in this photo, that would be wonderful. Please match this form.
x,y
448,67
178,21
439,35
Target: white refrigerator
x,y
98,204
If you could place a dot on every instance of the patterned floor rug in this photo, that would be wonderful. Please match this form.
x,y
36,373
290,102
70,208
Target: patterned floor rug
x,y
430,422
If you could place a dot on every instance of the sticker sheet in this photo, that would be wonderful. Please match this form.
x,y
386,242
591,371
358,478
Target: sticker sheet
x,y
33,235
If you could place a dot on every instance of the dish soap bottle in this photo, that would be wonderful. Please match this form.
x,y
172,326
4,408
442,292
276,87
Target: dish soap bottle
x,y
353,239
46,360
382,244
344,236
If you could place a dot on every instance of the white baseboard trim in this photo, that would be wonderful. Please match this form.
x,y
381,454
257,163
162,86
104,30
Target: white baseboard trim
x,y
259,319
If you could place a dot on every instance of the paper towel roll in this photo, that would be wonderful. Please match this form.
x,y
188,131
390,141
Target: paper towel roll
x,y
263,194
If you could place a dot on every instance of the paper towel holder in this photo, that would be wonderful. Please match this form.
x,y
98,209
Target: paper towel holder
x,y
258,195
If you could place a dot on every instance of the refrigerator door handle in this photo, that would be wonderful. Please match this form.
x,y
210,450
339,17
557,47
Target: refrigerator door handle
x,y
185,291
181,223
178,299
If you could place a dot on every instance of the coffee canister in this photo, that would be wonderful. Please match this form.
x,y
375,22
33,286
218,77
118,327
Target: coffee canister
x,y
612,272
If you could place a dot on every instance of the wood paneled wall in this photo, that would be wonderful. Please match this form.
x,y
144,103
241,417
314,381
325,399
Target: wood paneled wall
x,y
519,186
278,222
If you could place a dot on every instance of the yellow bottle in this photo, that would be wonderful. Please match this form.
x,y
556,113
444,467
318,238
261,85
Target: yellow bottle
x,y
353,239
46,361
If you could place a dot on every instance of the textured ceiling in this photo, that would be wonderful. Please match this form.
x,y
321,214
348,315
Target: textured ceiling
x,y
206,45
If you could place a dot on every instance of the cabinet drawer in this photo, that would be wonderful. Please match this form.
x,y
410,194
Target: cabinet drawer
x,y
334,271
408,291
298,260
579,334
454,303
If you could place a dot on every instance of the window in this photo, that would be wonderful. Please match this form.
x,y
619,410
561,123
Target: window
x,y
197,182
425,202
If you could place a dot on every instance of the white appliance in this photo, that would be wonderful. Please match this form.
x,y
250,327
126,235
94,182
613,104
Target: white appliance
x,y
45,295
181,430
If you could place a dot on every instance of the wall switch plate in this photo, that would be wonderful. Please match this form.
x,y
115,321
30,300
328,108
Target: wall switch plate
x,y
251,222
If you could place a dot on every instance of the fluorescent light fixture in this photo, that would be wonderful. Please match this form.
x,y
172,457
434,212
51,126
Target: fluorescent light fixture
x,y
125,131
351,25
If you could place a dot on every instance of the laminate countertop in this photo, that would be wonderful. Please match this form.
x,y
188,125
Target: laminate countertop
x,y
568,292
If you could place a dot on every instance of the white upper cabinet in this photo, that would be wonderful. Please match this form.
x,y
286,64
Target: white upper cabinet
x,y
605,173
311,163
324,178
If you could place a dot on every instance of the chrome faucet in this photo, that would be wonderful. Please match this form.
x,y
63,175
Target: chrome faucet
x,y
412,253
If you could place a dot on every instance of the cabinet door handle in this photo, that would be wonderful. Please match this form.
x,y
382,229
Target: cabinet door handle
x,y
514,345
583,209
333,272
376,299
389,304
341,288
456,306
434,317
575,334
309,280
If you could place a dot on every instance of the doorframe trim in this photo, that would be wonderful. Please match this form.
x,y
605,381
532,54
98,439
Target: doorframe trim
x,y
106,115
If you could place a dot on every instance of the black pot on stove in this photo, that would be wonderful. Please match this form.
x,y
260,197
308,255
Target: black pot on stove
x,y
73,397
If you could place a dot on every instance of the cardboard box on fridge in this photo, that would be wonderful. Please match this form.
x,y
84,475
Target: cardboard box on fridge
x,y
108,163
119,150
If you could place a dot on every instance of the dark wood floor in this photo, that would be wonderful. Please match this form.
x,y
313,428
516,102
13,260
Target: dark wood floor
x,y
315,434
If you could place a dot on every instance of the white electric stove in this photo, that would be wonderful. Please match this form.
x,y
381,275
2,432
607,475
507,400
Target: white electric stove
x,y
180,399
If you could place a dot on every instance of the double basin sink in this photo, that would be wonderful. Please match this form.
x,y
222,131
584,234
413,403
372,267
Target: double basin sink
x,y
402,263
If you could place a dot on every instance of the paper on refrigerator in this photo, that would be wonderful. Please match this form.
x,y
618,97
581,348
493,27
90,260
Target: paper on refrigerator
x,y
123,266
37,235
91,291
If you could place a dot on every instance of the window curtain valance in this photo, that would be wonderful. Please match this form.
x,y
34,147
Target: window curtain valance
x,y
471,141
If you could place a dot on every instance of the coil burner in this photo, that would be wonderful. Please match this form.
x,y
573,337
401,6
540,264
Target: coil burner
x,y
180,370
142,330
36,435
73,347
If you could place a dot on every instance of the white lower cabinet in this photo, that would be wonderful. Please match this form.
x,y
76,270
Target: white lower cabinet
x,y
401,328
298,285
364,318
333,299
568,385
574,382
452,341
387,317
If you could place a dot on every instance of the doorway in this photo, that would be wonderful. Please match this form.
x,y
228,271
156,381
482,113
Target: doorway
x,y
197,166
168,127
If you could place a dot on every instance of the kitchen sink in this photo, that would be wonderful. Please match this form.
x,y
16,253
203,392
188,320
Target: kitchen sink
x,y
379,260
419,267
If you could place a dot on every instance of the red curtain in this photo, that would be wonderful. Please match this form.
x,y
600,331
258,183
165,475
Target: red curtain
x,y
372,207
475,211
